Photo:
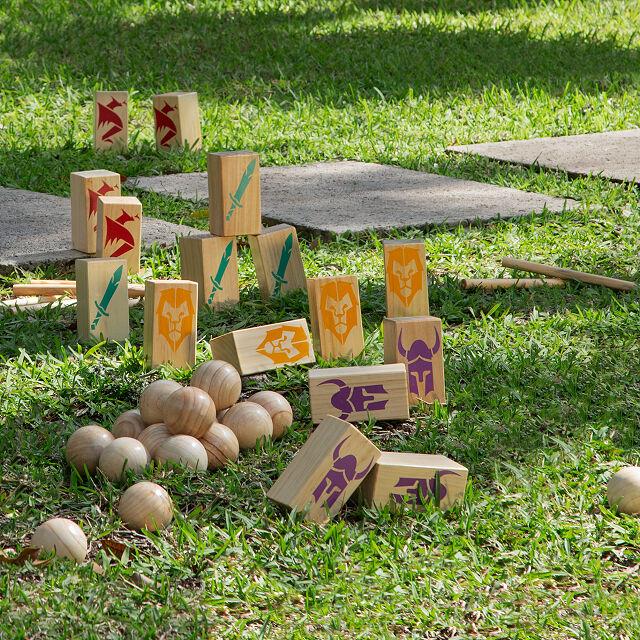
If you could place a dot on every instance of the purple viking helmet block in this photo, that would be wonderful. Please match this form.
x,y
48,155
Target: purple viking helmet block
x,y
421,489
350,400
419,357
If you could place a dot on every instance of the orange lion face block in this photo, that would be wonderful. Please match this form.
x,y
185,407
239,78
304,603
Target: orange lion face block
x,y
405,273
338,304
175,313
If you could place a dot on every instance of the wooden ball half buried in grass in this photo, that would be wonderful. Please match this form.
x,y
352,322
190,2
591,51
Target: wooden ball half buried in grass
x,y
189,411
85,446
152,400
250,422
220,380
62,536
279,409
128,425
153,436
183,451
623,490
221,445
123,454
146,505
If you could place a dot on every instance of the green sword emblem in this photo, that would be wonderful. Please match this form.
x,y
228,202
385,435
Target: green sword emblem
x,y
224,261
282,267
106,298
244,183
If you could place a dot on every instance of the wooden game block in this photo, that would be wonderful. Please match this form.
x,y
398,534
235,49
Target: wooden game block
x,y
110,120
170,322
405,278
264,348
411,478
325,471
212,262
417,342
355,393
276,255
234,193
86,188
177,120
103,303
119,229
336,319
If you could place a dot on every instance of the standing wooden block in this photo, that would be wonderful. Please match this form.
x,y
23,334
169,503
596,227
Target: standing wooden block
x,y
412,478
86,188
212,262
119,229
417,342
110,120
103,303
405,276
177,119
276,255
336,320
170,322
326,470
234,193
264,348
355,393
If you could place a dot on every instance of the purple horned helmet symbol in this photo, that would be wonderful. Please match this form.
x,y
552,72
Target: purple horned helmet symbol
x,y
343,471
419,357
349,400
421,489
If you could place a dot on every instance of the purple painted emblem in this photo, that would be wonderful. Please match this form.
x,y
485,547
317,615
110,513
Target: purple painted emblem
x,y
350,400
419,358
422,489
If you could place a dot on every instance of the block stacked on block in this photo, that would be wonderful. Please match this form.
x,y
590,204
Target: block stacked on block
x,y
405,273
111,120
119,229
177,120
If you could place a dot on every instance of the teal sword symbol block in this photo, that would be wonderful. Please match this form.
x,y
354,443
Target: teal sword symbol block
x,y
285,256
106,298
242,187
224,263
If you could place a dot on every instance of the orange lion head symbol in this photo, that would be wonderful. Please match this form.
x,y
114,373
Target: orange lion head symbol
x,y
405,273
339,305
175,315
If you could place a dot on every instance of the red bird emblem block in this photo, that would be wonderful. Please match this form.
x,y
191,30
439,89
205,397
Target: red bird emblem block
x,y
107,117
118,233
164,121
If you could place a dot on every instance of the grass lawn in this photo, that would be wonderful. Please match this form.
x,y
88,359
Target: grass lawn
x,y
543,386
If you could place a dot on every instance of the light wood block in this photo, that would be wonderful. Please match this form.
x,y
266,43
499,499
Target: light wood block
x,y
417,342
110,120
405,278
234,193
325,471
103,303
177,120
264,348
411,478
278,262
336,319
119,229
355,393
86,188
212,262
170,322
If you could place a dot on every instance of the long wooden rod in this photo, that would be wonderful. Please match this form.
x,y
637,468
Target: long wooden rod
x,y
506,283
45,289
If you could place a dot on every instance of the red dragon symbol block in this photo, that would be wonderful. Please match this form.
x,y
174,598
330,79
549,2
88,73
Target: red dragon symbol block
x,y
118,229
111,119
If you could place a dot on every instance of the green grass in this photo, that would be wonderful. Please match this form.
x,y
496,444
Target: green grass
x,y
543,386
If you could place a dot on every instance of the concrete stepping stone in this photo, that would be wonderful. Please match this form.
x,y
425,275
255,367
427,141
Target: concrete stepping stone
x,y
614,154
325,197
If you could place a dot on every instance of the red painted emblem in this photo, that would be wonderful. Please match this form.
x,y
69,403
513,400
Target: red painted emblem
x,y
165,121
118,233
107,117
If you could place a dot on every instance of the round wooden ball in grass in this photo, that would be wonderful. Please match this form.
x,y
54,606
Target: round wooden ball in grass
x,y
153,436
221,446
623,490
152,400
250,422
183,451
279,409
123,454
189,411
62,536
85,446
128,425
220,380
146,505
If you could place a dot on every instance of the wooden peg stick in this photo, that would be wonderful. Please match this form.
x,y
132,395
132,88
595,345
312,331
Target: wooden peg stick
x,y
507,283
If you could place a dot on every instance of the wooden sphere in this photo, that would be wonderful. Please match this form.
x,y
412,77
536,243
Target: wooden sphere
x,y
128,425
184,451
623,489
152,400
220,414
85,446
123,454
221,445
220,380
279,409
189,411
153,436
146,505
250,422
63,536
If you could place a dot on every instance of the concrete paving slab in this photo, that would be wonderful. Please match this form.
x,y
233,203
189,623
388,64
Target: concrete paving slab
x,y
613,154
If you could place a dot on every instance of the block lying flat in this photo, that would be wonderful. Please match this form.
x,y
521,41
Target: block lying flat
x,y
326,197
613,154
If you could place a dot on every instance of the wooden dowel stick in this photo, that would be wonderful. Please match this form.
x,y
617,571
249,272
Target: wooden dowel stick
x,y
506,283
134,290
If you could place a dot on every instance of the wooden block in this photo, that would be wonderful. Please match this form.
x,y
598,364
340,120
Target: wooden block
x,y
405,278
103,303
177,119
417,342
326,470
264,348
234,193
276,255
355,393
110,120
212,262
119,229
336,320
412,478
86,188
170,322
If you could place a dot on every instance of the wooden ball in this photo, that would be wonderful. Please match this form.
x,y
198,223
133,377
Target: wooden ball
x,y
123,454
221,445
85,446
62,536
220,380
146,505
189,411
220,414
128,425
152,400
623,489
250,422
184,451
279,409
153,436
